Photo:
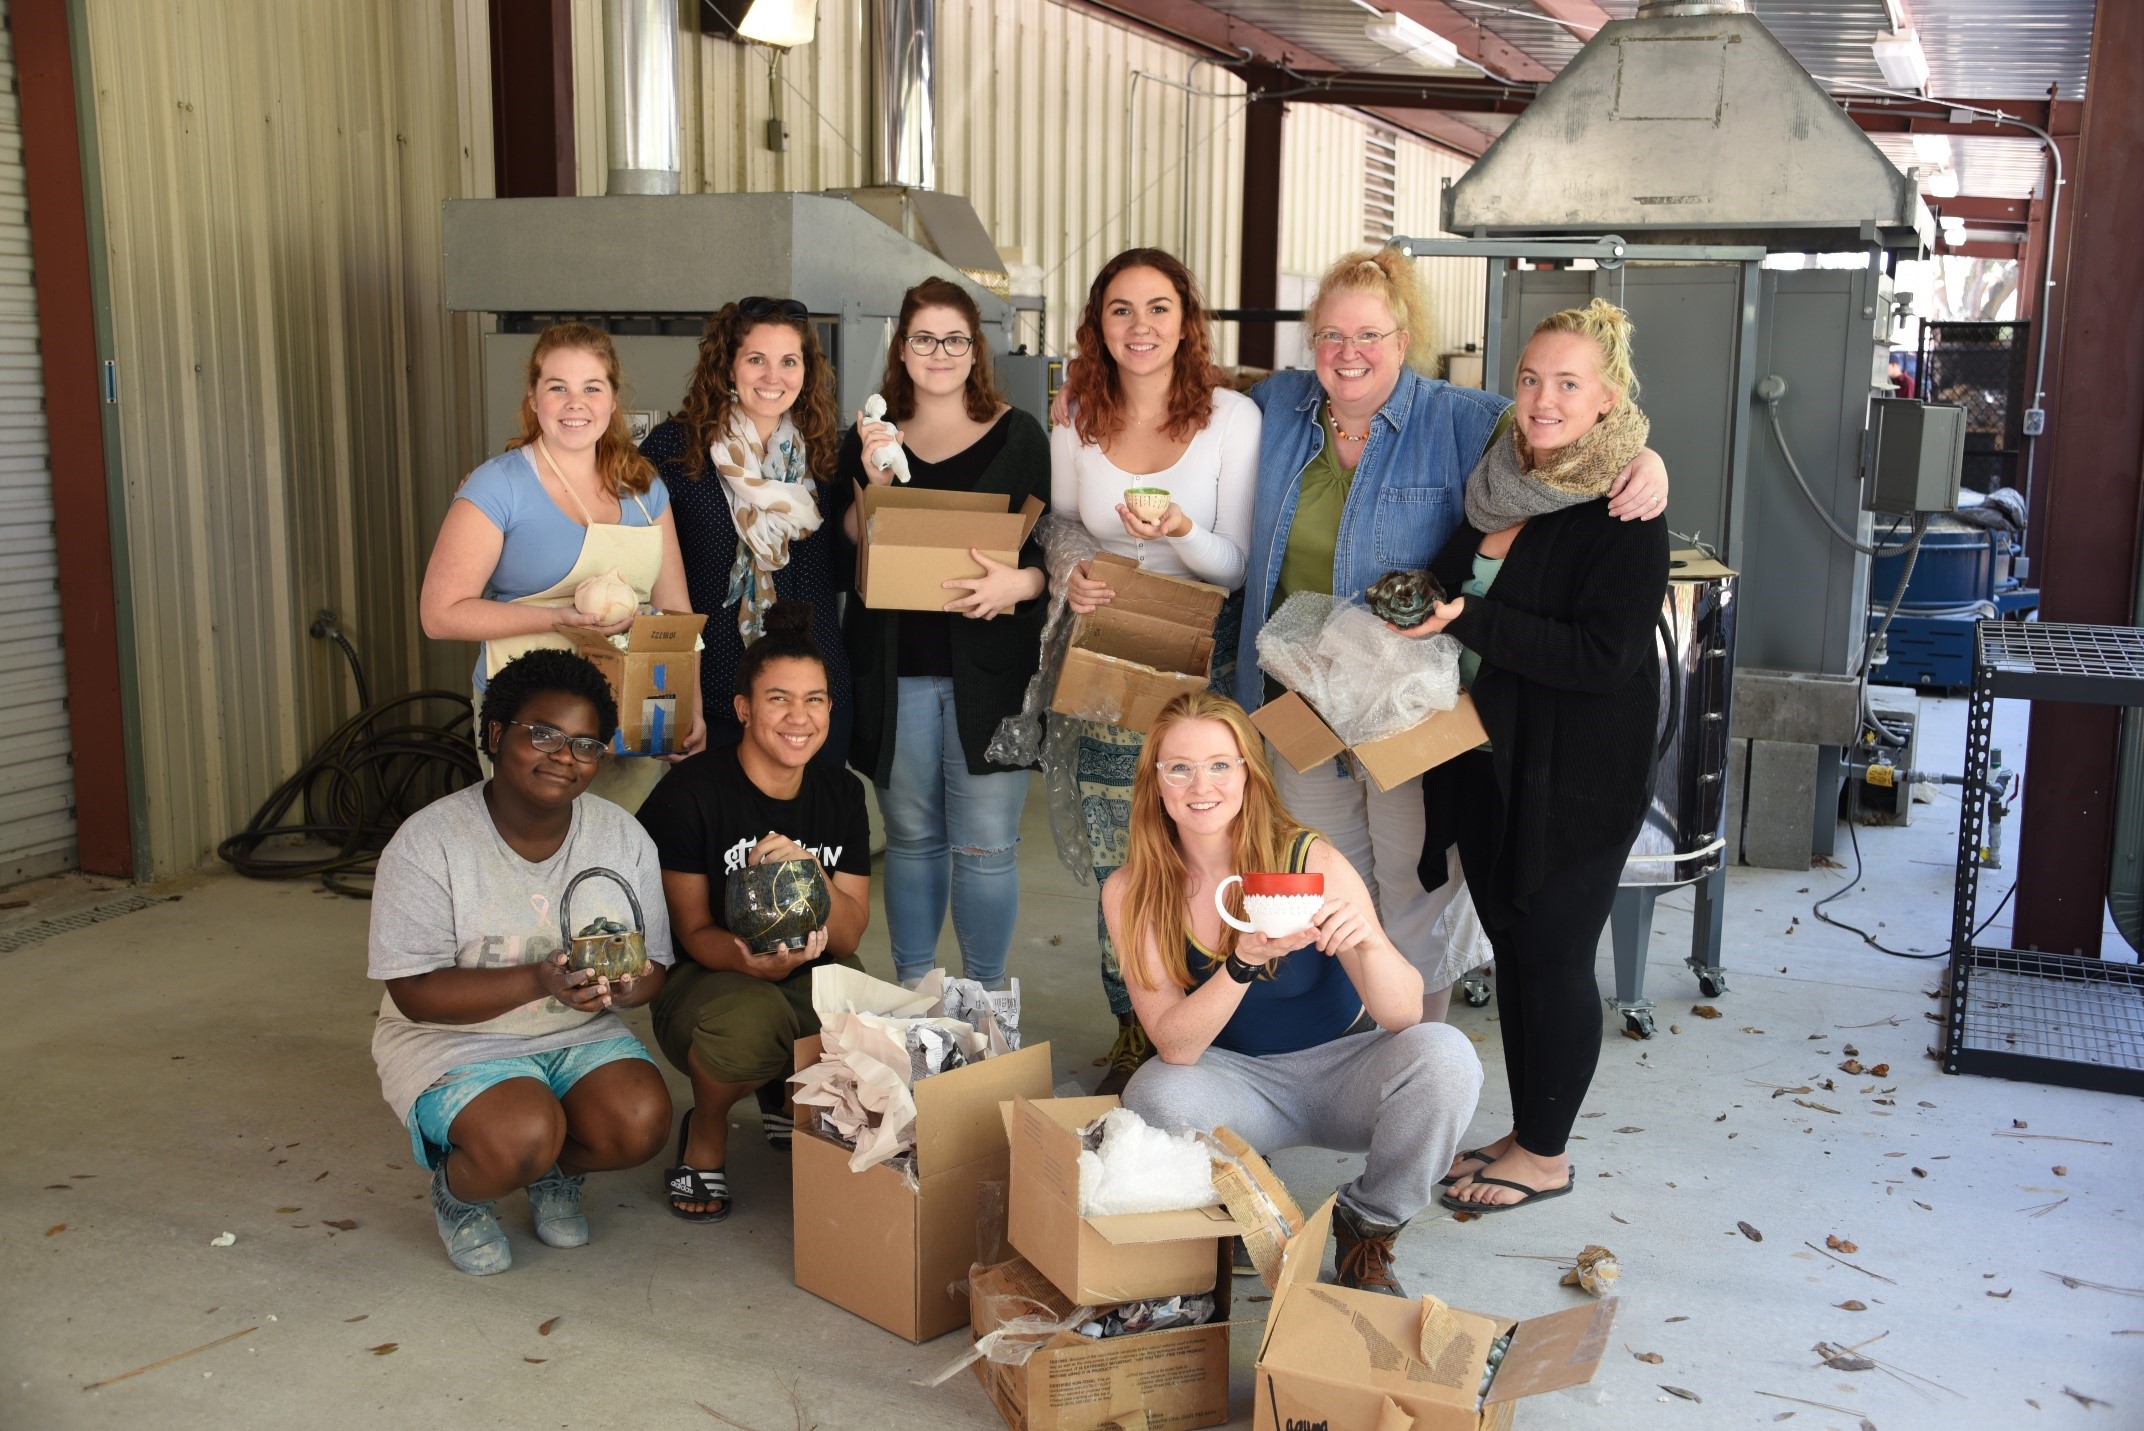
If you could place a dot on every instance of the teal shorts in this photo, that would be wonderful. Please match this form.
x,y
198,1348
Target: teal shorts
x,y
432,1116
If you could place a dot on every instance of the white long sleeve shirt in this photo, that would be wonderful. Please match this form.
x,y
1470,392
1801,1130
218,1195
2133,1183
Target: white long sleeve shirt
x,y
1214,482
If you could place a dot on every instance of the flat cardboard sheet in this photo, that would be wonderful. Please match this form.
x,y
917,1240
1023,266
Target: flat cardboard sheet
x,y
1690,564
1306,742
917,539
1150,644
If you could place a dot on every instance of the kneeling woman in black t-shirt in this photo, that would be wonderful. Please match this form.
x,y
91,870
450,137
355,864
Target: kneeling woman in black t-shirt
x,y
728,1018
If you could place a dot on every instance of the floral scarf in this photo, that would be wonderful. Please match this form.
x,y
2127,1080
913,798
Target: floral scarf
x,y
772,502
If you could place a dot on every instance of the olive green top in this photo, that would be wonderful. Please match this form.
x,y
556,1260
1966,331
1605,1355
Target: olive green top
x,y
1306,563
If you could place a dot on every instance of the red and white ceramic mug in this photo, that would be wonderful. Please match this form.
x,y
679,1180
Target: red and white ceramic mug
x,y
1277,904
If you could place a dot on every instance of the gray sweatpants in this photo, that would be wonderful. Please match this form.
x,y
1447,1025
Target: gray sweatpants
x,y
1405,1098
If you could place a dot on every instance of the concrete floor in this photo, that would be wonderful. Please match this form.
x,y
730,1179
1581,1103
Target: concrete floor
x,y
203,1067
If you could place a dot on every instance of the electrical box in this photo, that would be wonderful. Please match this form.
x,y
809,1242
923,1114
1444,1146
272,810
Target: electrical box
x,y
1915,452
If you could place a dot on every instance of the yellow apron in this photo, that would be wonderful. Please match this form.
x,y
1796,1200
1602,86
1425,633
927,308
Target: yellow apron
x,y
636,553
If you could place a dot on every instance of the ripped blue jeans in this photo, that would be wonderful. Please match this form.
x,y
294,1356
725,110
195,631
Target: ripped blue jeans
x,y
952,840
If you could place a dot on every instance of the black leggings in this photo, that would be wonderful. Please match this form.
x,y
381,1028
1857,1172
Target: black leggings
x,y
1548,1002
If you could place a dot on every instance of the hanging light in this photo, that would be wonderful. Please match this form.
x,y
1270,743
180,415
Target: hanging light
x,y
1420,44
781,23
1900,57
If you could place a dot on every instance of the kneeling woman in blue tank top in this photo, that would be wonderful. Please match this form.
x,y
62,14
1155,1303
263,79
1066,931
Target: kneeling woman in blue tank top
x,y
1310,1039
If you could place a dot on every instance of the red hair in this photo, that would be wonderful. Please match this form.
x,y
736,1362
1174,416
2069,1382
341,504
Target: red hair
x,y
624,472
1091,377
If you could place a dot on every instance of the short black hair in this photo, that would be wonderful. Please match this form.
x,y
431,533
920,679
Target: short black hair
x,y
785,634
544,672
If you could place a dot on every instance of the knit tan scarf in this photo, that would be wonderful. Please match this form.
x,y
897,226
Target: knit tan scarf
x,y
1512,482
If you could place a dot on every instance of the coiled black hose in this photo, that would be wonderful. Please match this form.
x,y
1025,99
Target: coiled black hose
x,y
377,769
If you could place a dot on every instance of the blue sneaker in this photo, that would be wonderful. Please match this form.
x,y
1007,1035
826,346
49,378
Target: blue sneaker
x,y
555,1204
474,1240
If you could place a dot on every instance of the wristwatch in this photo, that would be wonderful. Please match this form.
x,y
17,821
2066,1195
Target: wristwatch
x,y
1241,972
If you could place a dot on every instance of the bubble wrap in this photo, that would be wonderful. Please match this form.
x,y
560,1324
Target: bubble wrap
x,y
1364,679
1018,739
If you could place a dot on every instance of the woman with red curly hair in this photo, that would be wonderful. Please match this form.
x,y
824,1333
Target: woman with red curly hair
x,y
748,462
1148,409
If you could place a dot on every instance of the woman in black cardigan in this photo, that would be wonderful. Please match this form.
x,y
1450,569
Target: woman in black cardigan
x,y
930,688
1554,602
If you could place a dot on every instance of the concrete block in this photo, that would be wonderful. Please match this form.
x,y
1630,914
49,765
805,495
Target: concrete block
x,y
1797,707
1779,811
1737,778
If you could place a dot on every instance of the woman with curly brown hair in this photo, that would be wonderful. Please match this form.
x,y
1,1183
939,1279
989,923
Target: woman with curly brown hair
x,y
748,463
1148,408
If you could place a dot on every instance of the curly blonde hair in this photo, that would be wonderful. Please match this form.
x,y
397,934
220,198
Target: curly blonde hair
x,y
1390,275
1610,328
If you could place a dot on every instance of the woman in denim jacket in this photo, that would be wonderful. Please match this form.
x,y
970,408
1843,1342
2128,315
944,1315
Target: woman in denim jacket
x,y
1361,466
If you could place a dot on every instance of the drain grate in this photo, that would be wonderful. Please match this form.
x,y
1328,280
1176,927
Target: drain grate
x,y
14,939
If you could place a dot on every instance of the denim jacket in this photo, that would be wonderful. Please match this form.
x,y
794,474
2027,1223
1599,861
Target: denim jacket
x,y
1406,499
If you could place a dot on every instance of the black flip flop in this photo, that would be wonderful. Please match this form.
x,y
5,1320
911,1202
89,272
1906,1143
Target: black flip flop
x,y
1470,1155
688,1184
1533,1195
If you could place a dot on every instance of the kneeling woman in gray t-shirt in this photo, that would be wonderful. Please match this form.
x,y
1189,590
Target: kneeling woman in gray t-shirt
x,y
508,1070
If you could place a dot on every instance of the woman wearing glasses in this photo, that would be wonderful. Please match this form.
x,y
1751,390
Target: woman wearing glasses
x,y
508,1070
1313,1038
1360,472
568,500
931,687
1148,408
747,463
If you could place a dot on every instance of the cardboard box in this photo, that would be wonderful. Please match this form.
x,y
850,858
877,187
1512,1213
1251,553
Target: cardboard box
x,y
1152,1381
1333,1357
1306,742
1150,644
915,540
874,1243
1098,1260
655,679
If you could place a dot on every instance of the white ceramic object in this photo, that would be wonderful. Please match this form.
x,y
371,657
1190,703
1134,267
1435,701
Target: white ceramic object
x,y
1149,504
1272,915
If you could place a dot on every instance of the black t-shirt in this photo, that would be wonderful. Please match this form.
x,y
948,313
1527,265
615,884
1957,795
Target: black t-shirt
x,y
705,817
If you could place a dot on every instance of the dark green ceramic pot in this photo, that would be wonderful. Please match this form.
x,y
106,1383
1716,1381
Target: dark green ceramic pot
x,y
776,906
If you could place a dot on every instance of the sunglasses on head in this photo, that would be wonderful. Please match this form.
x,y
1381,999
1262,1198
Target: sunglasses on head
x,y
770,307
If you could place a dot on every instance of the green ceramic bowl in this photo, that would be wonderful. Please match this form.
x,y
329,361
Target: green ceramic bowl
x,y
1147,503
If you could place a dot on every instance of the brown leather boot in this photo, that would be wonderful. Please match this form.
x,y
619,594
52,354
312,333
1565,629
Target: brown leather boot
x,y
1131,1049
1362,1253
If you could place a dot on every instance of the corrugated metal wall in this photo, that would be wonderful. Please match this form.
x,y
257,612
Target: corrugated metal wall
x,y
296,405
1456,288
1063,130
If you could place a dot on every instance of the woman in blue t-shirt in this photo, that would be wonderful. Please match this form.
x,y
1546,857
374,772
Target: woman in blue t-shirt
x,y
569,499
1309,1039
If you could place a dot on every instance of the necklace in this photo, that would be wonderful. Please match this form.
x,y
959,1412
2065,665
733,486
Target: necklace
x,y
1342,433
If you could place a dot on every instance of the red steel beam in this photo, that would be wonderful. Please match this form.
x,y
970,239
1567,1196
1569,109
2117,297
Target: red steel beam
x,y
1458,95
1581,17
1966,206
1189,23
1980,248
74,427
1258,283
2095,498
2057,117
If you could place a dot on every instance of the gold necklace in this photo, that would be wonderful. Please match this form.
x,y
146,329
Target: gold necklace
x,y
1342,433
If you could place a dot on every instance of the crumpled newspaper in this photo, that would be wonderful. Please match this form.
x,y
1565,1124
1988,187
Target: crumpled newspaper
x,y
1364,679
877,1039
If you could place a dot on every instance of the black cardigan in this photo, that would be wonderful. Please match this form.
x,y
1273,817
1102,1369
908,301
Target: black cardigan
x,y
1568,691
992,660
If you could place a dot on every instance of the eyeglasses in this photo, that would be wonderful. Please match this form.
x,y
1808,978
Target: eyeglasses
x,y
1177,774
767,307
956,345
1334,338
550,740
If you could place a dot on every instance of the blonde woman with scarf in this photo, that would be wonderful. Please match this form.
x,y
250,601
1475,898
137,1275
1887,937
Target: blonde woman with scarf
x,y
1554,601
747,463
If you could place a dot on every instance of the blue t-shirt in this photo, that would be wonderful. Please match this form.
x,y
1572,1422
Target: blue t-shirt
x,y
1307,1001
542,540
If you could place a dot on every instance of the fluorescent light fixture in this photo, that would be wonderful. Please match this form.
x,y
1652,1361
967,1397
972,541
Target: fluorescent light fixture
x,y
1900,57
1943,184
781,23
1953,231
1424,46
1932,149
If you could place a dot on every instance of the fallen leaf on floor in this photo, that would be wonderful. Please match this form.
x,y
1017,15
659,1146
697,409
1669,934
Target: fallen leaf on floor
x,y
1783,1092
1721,1119
321,1176
1825,862
1924,1207
56,1229
1828,1086
1649,1358
2087,1402
1851,1067
1057,939
81,1175
1597,1270
1867,1425
1257,1299
1750,1232
1681,1392
1881,1070
2061,1171
1840,1244
1842,1358
1850,1051
1465,1216
384,1348
1630,1130
358,1318
1674,1028
396,1166
1747,1029
545,1329
223,1239
1678,1319
1851,1306
287,1211
1924,1103
1805,1103
346,1224
1704,1011
2019,1123
1618,1217
1631,1033
2003,1295
535,1360
1595,1114
1920,1172
59,1187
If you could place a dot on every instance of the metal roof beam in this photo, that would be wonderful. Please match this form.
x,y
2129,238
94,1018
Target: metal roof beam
x,y
1967,206
2058,117
1461,95
1201,27
1475,41
1580,17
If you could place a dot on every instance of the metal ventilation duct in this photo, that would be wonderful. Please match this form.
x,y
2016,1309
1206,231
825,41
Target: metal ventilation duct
x,y
640,90
907,131
1689,128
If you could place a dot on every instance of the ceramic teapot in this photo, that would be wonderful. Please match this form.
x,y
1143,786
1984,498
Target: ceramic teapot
x,y
605,947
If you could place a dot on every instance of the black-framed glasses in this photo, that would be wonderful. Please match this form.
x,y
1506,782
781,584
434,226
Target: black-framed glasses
x,y
956,345
757,307
551,740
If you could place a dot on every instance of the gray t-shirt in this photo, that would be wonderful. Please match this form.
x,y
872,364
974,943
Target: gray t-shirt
x,y
450,893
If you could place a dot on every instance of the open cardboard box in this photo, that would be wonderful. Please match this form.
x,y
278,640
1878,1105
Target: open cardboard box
x,y
916,539
1097,1260
1150,644
1335,1357
1305,741
655,679
875,1243
1153,1381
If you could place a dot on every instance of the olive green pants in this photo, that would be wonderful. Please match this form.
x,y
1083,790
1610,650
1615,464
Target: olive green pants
x,y
741,1029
